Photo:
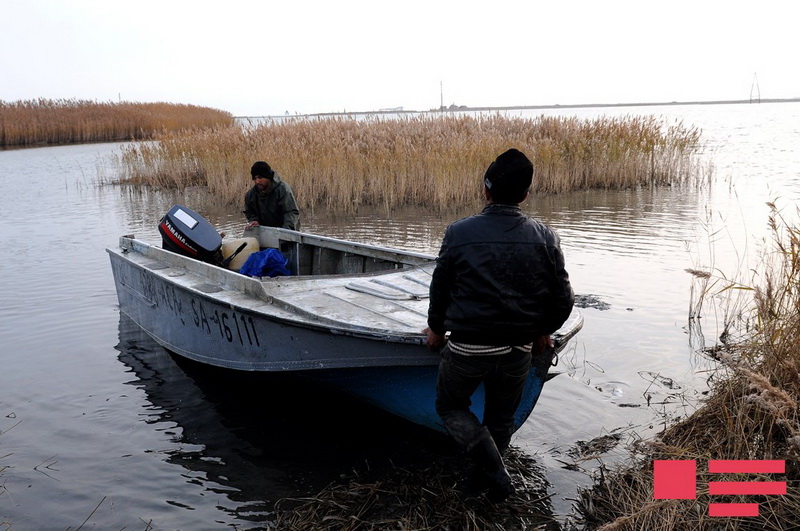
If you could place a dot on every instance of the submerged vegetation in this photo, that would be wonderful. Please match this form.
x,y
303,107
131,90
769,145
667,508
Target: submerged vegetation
x,y
429,160
49,122
752,413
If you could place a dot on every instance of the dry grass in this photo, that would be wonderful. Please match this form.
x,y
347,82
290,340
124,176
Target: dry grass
x,y
421,497
47,122
429,160
753,412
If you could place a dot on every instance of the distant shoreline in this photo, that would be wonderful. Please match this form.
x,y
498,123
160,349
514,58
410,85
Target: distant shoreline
x,y
651,104
464,108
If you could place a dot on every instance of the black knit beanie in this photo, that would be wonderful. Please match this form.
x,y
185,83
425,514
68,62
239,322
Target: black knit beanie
x,y
261,169
509,177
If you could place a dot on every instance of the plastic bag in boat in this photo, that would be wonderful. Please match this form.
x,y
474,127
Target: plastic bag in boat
x,y
266,263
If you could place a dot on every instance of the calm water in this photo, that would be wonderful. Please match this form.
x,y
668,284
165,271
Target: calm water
x,y
96,417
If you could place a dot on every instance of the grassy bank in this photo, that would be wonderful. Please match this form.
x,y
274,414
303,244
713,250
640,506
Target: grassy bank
x,y
752,413
422,496
48,122
429,160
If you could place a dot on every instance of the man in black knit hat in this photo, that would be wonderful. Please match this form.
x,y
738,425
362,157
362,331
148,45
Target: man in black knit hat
x,y
270,201
499,290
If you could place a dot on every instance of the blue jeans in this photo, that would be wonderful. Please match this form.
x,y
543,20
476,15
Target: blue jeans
x,y
503,378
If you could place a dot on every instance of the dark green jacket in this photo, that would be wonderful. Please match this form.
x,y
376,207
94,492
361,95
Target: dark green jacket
x,y
274,208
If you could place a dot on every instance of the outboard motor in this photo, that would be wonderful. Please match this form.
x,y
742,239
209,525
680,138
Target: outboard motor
x,y
186,232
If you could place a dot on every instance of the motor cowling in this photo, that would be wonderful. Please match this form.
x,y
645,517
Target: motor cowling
x,y
187,233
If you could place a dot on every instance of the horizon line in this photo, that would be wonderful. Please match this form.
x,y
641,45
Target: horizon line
x,y
463,108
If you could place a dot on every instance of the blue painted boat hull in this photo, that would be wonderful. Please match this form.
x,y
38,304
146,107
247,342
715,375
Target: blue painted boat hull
x,y
410,392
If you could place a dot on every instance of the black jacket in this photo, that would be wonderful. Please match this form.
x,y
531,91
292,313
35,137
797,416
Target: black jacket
x,y
275,208
499,280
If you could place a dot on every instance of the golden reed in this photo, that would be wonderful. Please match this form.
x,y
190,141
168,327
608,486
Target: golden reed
x,y
751,413
431,160
47,122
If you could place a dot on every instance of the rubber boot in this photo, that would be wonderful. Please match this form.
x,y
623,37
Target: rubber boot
x,y
485,455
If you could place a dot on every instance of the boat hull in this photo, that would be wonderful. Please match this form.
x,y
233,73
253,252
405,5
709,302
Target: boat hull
x,y
410,392
360,334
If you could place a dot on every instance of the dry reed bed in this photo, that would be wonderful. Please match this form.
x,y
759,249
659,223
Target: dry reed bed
x,y
430,160
753,412
421,497
49,122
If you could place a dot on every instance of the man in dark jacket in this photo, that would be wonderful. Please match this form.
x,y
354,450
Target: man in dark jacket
x,y
270,202
500,290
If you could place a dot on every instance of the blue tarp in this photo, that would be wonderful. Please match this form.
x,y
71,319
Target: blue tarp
x,y
266,263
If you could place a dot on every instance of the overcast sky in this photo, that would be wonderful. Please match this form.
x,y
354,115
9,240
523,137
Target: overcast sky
x,y
271,57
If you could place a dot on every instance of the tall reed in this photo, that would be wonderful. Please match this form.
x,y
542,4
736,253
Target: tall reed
x,y
752,413
432,160
47,122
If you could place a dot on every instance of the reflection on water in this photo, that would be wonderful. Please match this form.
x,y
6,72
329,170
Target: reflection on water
x,y
253,439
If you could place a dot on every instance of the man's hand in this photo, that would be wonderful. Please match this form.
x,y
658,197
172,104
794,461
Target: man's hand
x,y
434,341
253,223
